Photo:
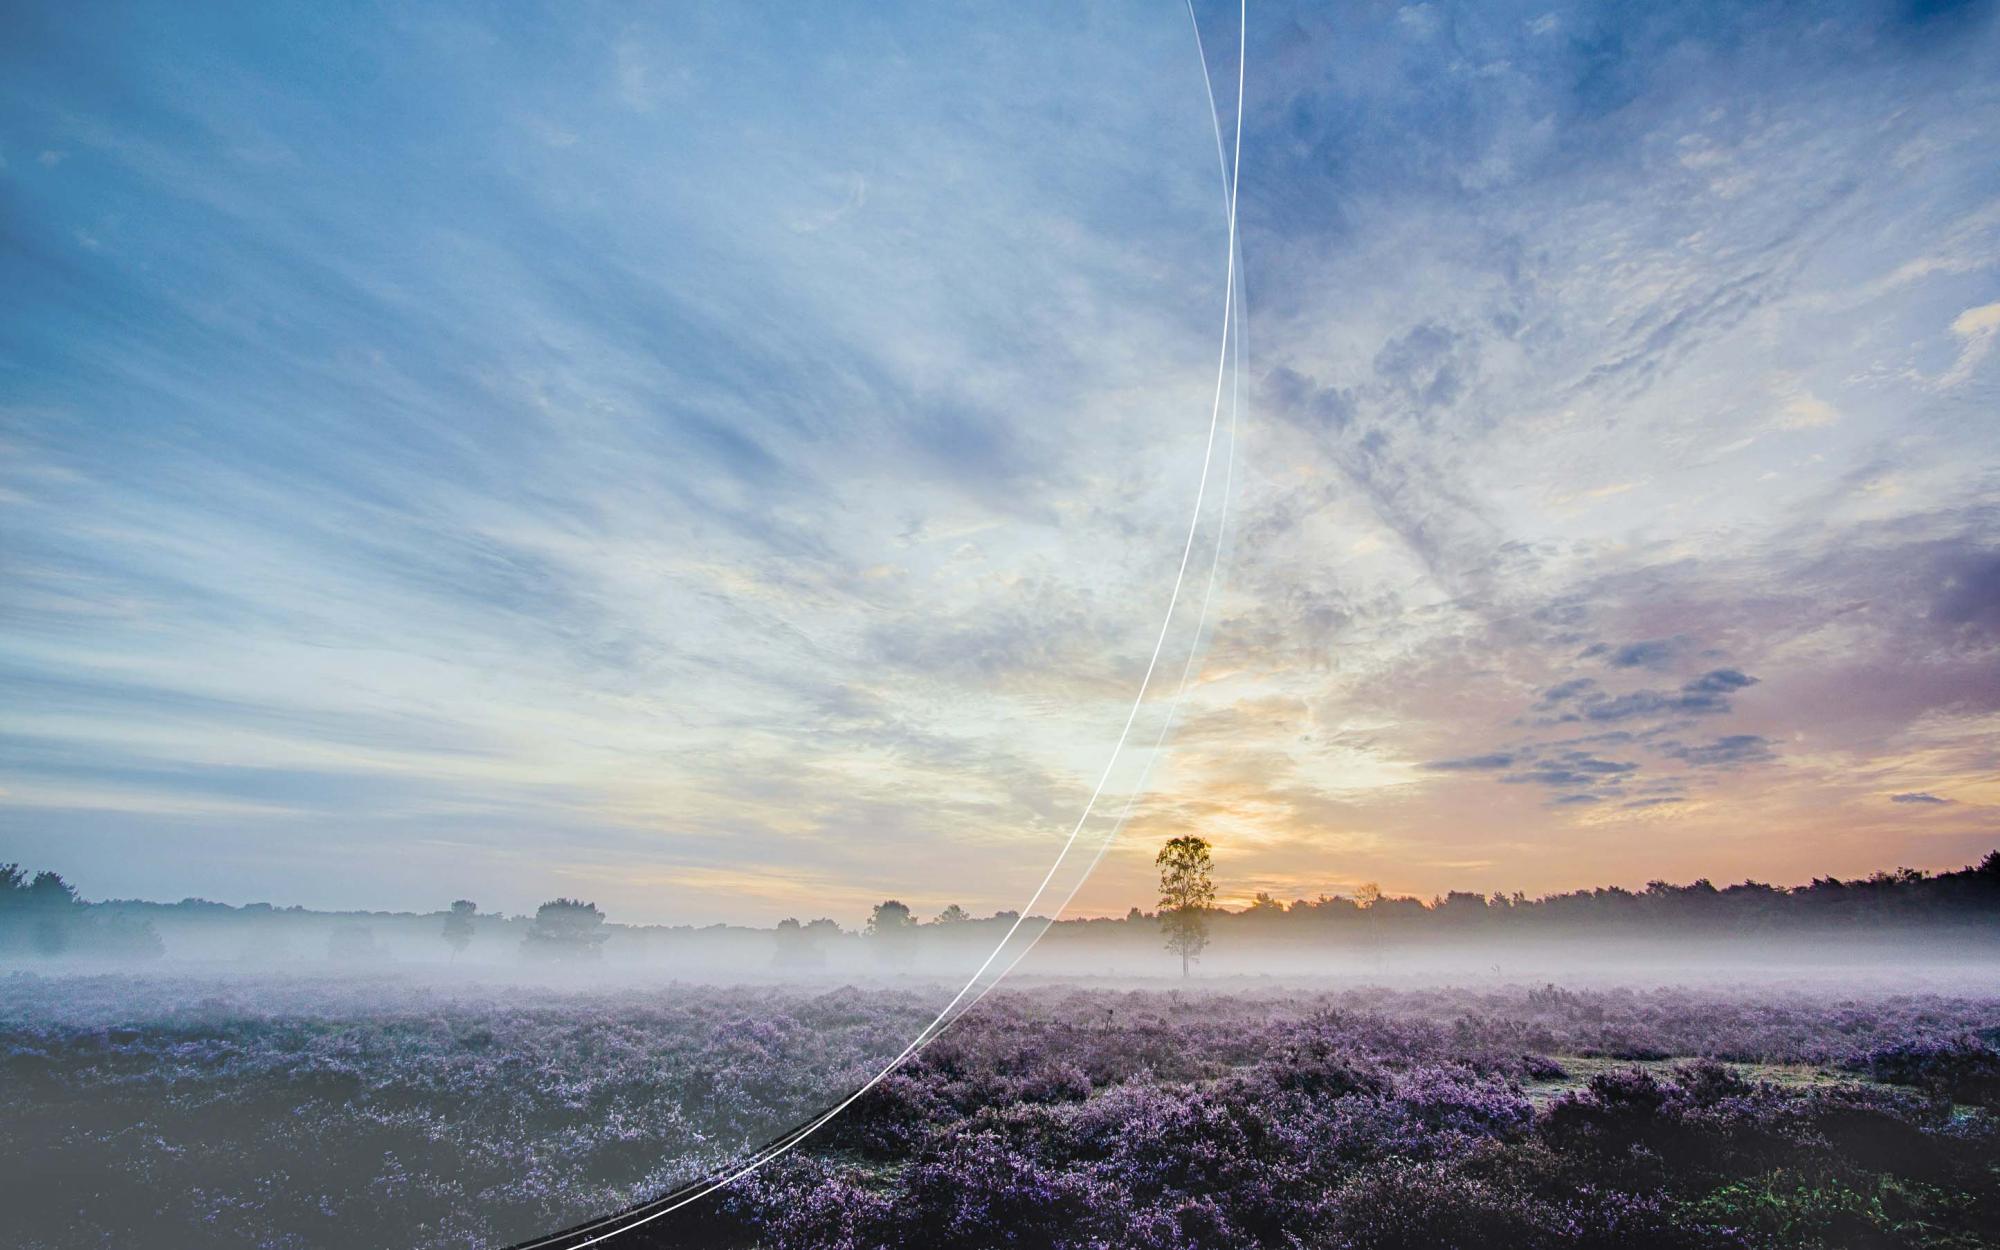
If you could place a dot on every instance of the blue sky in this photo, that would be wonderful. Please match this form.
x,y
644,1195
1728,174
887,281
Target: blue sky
x,y
733,464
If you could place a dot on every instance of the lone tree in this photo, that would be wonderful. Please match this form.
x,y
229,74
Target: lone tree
x,y
567,929
458,926
1186,894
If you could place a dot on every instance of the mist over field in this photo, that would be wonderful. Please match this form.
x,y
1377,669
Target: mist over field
x,y
1890,924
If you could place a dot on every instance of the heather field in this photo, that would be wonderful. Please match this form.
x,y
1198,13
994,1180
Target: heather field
x,y
224,1112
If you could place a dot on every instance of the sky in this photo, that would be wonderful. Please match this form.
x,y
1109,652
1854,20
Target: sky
x,y
734,462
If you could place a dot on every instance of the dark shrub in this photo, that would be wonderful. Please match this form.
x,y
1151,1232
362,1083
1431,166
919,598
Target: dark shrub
x,y
1962,1067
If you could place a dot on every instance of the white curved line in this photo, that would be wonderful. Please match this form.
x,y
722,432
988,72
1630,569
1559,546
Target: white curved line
x,y
1235,359
922,1038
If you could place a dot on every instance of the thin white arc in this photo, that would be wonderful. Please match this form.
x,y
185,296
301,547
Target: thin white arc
x,y
1235,360
792,1140
1166,725
1145,774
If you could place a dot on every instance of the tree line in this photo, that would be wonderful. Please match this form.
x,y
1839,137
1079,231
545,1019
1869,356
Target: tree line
x,y
43,915
1187,919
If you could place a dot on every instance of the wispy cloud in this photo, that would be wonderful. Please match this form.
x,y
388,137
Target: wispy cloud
x,y
656,472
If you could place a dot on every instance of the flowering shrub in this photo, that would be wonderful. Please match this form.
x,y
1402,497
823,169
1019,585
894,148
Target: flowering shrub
x,y
337,1113
1962,1068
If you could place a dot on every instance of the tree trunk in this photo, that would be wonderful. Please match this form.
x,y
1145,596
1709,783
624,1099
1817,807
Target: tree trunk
x,y
1184,965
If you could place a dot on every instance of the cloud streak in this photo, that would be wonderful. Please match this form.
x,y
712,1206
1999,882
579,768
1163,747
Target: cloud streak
x,y
639,473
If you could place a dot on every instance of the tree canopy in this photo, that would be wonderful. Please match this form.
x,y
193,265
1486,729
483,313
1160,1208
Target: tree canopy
x,y
1186,894
458,926
565,929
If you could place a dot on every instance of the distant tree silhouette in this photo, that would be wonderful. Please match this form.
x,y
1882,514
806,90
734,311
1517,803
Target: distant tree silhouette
x,y
16,918
953,914
565,929
44,914
458,926
48,889
1460,909
1186,894
889,917
891,929
51,904
797,945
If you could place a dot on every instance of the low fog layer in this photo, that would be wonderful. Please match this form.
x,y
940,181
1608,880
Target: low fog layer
x,y
1891,925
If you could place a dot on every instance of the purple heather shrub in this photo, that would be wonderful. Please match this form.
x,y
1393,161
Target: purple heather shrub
x,y
1453,1099
891,1119
796,1203
1424,1205
1706,1083
1154,1139
976,1191
1323,1058
303,1115
1962,1067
